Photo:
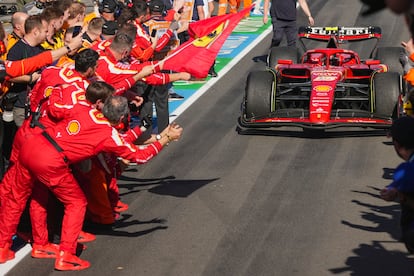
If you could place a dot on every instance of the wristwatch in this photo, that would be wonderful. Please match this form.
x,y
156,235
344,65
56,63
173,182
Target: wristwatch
x,y
158,137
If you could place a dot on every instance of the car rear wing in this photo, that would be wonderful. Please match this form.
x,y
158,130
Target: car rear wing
x,y
338,35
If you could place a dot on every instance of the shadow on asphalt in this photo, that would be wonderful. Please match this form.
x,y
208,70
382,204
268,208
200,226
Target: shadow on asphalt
x,y
124,222
169,186
374,258
164,186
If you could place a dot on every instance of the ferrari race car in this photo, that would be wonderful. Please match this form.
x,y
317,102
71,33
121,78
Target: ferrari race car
x,y
329,87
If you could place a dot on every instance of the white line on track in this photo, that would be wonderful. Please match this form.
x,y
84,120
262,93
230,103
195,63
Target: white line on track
x,y
20,254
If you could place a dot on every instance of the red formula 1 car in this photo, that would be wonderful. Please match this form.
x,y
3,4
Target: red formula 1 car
x,y
330,87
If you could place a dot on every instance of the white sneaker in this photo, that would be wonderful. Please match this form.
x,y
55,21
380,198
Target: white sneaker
x,y
257,12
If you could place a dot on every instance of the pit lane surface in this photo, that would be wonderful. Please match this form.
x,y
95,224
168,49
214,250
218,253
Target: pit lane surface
x,y
271,203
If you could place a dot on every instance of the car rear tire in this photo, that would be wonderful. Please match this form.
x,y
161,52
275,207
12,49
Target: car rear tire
x,y
390,56
285,52
387,88
258,94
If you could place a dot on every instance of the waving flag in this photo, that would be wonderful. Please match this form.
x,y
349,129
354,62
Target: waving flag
x,y
197,55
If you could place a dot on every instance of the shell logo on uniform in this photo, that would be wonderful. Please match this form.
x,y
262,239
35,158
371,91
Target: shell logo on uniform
x,y
323,88
208,39
48,91
73,127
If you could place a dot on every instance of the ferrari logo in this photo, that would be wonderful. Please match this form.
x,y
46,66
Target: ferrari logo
x,y
73,127
209,39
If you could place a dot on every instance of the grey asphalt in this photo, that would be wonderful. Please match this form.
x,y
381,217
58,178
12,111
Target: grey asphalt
x,y
262,203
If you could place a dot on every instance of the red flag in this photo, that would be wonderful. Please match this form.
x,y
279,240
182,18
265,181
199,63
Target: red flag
x,y
197,55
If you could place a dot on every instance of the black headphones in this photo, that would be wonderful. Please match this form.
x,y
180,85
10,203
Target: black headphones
x,y
40,5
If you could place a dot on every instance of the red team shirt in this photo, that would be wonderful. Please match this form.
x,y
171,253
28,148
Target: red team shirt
x,y
120,74
85,132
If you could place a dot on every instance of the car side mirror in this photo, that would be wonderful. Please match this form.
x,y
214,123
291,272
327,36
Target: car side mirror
x,y
285,61
372,62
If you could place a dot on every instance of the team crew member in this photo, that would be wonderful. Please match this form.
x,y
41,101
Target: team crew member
x,y
68,59
28,46
17,22
85,65
93,32
145,45
124,75
283,14
84,68
69,94
29,65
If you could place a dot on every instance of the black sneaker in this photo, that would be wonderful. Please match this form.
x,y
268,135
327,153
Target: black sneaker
x,y
212,73
174,96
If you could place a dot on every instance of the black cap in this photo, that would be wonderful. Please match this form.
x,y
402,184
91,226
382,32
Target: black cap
x,y
109,28
109,6
402,131
156,5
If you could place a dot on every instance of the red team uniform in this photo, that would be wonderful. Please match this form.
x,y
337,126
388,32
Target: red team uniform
x,y
51,77
119,74
76,136
142,49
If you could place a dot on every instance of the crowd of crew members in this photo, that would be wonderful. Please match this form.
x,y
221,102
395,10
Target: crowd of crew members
x,y
106,65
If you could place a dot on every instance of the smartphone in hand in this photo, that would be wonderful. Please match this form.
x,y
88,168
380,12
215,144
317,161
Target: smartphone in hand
x,y
154,33
76,31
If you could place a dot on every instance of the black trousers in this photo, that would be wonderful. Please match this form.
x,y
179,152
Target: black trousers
x,y
157,95
281,28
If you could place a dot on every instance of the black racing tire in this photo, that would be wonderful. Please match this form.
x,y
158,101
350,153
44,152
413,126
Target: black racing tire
x,y
258,94
284,52
390,56
386,90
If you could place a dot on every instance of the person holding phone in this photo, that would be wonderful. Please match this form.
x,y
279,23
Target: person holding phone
x,y
67,59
